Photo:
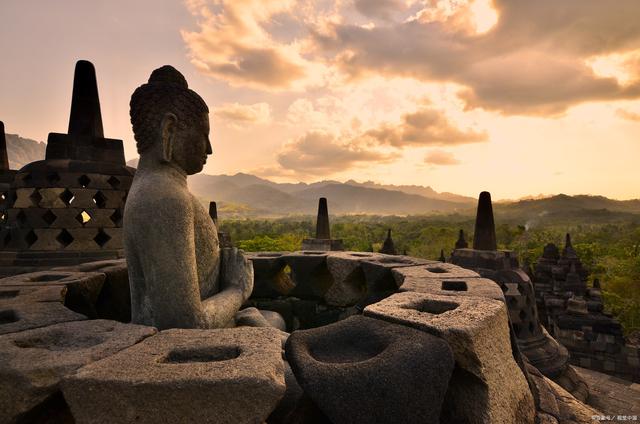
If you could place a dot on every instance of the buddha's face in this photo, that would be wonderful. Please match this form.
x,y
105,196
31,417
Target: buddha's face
x,y
191,145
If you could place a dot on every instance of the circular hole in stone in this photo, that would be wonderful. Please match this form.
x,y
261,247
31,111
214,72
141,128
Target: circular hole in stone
x,y
435,307
345,349
203,354
7,316
56,340
361,255
313,253
48,277
437,270
453,285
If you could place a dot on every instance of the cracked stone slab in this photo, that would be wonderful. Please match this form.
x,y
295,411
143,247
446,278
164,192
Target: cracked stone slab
x,y
477,287
114,300
31,294
33,362
83,288
18,316
206,376
487,385
349,285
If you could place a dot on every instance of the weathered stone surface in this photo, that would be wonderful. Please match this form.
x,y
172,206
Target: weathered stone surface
x,y
446,279
309,274
378,277
201,376
555,403
252,317
114,301
30,294
83,288
33,362
362,370
475,287
349,285
290,400
487,386
18,316
271,278
437,270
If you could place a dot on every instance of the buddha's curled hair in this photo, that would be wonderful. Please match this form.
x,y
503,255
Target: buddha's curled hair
x,y
166,91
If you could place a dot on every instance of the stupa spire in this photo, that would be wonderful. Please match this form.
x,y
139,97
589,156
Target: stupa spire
x,y
462,242
85,118
388,246
569,251
213,212
323,230
4,157
484,237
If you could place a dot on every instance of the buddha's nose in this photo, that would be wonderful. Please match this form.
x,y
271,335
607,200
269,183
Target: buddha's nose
x,y
209,149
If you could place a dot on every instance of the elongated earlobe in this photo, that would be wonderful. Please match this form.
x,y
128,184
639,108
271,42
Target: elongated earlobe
x,y
169,124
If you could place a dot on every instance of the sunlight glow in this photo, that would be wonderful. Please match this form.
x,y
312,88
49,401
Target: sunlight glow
x,y
484,15
618,65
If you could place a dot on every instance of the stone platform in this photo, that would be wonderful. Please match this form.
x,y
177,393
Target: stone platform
x,y
59,367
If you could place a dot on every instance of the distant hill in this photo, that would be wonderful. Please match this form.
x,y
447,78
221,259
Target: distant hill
x,y
561,207
246,195
266,197
22,151
416,189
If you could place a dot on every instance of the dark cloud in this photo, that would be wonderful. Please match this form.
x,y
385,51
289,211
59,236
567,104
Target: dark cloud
x,y
319,153
425,127
380,9
531,62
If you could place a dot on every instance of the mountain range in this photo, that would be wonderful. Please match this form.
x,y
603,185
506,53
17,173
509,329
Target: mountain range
x,y
22,151
246,195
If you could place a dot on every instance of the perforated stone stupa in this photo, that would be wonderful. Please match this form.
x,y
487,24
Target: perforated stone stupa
x,y
68,208
502,266
574,314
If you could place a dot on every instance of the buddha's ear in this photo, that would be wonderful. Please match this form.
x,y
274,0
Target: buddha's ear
x,y
169,127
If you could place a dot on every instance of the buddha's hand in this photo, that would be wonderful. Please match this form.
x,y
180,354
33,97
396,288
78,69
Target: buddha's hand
x,y
237,272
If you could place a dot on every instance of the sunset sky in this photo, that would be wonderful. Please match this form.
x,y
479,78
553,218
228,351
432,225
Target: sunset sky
x,y
517,97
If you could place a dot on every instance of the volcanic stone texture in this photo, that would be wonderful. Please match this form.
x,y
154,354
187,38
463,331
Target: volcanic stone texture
x,y
487,386
201,376
362,370
82,288
33,362
447,280
114,300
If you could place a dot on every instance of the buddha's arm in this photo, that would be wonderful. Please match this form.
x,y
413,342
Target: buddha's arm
x,y
166,249
236,283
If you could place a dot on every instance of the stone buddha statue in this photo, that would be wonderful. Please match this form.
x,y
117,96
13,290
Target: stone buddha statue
x,y
179,276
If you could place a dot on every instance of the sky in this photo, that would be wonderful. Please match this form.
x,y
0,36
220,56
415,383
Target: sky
x,y
516,97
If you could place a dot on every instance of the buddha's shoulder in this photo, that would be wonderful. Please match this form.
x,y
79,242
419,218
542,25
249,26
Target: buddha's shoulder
x,y
154,192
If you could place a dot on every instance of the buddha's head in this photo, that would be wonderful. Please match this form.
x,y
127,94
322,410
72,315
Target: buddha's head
x,y
170,121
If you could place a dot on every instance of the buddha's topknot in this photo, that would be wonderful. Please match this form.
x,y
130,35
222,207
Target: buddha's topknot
x,y
166,91
168,75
